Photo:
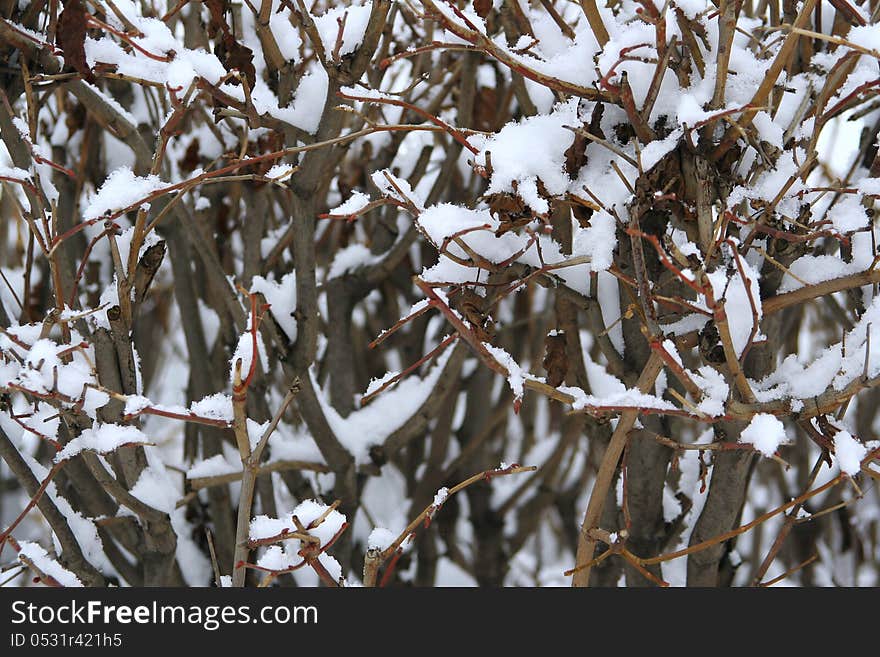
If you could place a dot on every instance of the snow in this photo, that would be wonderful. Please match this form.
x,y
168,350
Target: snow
x,y
102,439
134,404
39,366
692,8
152,488
451,574
308,102
282,297
286,35
381,538
629,398
14,173
768,130
182,70
765,432
244,352
715,390
356,19
47,371
866,36
217,406
47,565
690,113
530,150
385,414
265,527
277,558
396,188
597,242
307,512
84,529
802,379
156,488
255,431
660,148
515,374
333,567
212,467
355,203
848,214
349,259
739,300
375,384
121,189
607,294
440,497
446,222
359,92
280,172
849,453
812,269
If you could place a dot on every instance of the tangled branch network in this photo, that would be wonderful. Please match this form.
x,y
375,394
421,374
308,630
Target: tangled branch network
x,y
423,292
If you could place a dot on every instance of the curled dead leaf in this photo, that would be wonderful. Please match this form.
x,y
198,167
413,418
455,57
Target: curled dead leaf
x,y
555,362
71,37
482,7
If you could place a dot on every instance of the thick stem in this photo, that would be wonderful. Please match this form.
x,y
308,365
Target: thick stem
x,y
587,544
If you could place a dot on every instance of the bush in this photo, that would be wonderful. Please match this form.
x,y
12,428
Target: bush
x,y
281,279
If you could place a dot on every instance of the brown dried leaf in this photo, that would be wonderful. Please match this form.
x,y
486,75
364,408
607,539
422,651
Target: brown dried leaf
x,y
582,214
75,117
710,345
191,158
582,209
268,142
510,210
482,7
485,109
507,205
71,37
217,8
239,56
470,305
576,155
555,362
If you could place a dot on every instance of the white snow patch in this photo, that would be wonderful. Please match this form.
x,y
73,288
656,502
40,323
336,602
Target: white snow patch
x,y
105,438
765,432
849,453
47,565
380,538
120,190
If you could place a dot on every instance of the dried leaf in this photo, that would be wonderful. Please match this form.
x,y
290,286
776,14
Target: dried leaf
x,y
710,344
75,118
482,7
555,362
239,56
470,304
582,209
268,142
576,155
71,37
583,215
485,109
217,24
510,210
191,158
